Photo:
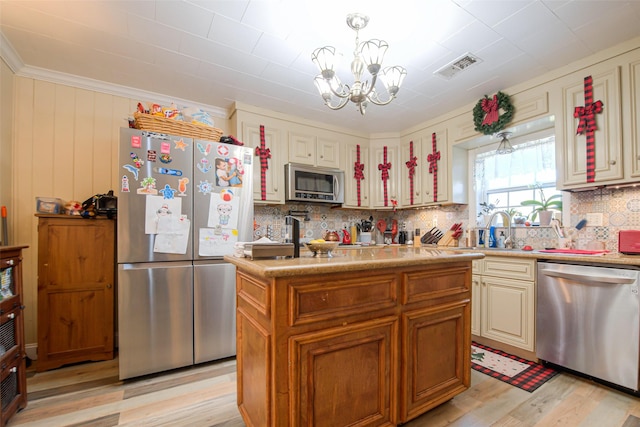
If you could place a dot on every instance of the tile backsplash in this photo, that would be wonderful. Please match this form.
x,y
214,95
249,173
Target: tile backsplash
x,y
620,209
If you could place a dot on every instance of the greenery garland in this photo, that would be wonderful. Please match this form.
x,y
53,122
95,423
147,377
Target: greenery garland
x,y
504,104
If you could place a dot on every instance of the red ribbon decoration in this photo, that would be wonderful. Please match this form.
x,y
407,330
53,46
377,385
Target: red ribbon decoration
x,y
587,116
490,107
264,154
358,171
384,167
411,164
433,166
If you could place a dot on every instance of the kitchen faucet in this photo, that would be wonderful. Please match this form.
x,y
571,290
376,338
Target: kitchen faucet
x,y
508,242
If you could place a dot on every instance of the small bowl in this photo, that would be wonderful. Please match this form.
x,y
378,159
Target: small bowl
x,y
322,249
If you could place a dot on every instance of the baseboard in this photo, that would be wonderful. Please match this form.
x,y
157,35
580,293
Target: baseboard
x,y
32,351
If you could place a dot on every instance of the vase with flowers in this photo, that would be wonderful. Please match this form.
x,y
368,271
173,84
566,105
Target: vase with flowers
x,y
543,207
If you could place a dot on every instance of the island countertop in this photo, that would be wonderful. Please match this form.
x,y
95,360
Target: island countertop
x,y
344,260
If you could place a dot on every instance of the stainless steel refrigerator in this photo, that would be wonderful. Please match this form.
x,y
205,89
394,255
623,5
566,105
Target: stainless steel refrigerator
x,y
182,205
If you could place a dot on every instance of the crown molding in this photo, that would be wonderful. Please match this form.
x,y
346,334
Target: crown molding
x,y
13,60
9,55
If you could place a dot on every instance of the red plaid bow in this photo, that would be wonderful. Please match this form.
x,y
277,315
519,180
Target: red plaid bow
x,y
490,106
586,115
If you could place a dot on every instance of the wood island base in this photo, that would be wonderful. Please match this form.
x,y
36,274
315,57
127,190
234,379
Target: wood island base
x,y
370,347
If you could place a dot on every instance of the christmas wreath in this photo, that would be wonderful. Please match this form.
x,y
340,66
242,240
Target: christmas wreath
x,y
486,113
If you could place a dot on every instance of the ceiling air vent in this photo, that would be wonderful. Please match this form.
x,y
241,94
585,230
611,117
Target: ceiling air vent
x,y
457,65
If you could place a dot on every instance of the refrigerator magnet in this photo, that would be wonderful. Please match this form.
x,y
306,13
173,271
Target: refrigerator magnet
x,y
133,170
168,192
152,155
204,149
148,186
180,145
124,184
205,187
136,141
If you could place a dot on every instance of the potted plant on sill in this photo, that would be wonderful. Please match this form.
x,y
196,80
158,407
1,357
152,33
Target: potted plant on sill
x,y
544,206
486,209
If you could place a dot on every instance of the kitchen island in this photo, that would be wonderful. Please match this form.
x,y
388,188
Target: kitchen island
x,y
371,337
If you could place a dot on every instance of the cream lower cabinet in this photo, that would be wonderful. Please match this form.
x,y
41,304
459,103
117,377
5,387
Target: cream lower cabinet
x,y
503,300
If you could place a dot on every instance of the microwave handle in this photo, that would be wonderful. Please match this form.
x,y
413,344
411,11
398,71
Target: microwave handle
x,y
335,187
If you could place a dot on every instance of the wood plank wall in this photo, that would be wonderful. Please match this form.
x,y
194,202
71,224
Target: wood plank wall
x,y
65,144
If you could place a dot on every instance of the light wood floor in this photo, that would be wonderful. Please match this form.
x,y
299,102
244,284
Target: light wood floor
x,y
90,394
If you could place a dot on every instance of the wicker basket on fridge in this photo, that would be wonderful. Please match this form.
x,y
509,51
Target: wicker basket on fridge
x,y
160,124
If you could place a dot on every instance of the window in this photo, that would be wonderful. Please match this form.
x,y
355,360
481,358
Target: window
x,y
506,180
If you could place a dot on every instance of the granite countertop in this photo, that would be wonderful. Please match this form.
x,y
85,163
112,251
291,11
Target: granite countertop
x,y
606,258
351,259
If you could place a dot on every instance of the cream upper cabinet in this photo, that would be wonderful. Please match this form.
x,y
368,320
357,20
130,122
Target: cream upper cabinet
x,y
436,167
503,300
356,187
384,191
274,173
411,151
440,175
571,147
309,149
631,119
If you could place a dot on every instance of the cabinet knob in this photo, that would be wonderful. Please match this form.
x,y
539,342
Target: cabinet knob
x,y
13,370
612,162
10,262
108,285
11,316
275,189
308,154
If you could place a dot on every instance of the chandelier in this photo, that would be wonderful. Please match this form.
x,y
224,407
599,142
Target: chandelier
x,y
369,53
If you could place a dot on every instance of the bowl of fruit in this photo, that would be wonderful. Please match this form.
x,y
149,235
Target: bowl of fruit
x,y
321,248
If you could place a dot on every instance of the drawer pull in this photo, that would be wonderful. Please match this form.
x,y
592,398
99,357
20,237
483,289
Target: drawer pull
x,y
11,316
10,262
14,370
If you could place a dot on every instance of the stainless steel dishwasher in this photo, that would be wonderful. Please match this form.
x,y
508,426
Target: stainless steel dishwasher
x,y
588,320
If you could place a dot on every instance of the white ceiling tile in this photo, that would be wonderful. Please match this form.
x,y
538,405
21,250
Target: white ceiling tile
x,y
185,16
526,21
233,33
148,30
233,9
492,12
471,38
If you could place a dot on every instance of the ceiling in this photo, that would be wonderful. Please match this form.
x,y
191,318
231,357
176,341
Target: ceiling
x,y
258,51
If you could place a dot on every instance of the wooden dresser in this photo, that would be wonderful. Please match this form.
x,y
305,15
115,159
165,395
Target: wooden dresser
x,y
12,355
76,288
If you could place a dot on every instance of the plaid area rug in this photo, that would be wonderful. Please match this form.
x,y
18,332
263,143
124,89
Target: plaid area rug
x,y
521,373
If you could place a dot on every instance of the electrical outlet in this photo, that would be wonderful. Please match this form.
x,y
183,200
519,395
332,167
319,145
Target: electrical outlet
x,y
594,219
434,221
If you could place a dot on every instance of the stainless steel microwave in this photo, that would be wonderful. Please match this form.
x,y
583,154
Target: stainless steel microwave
x,y
305,183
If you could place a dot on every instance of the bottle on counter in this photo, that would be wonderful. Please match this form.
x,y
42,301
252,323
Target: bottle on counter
x,y
501,240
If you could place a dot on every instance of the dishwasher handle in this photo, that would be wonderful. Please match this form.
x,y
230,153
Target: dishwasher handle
x,y
608,280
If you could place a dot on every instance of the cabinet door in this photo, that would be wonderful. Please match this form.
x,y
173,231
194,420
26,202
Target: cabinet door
x,y
632,117
302,148
437,355
351,199
328,153
274,174
76,263
419,170
571,147
380,189
332,366
476,307
435,173
508,312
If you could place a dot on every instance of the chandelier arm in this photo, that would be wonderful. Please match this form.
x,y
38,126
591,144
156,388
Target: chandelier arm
x,y
343,94
375,100
340,105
